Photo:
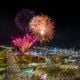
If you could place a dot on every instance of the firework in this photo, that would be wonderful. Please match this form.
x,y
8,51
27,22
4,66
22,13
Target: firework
x,y
24,43
42,27
22,19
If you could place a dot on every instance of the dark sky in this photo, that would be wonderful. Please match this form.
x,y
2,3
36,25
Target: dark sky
x,y
65,14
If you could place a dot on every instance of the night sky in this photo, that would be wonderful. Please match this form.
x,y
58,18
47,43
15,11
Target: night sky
x,y
66,16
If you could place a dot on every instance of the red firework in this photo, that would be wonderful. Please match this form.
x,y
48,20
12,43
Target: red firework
x,y
24,43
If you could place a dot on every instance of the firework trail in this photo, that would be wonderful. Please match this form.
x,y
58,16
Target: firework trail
x,y
24,43
22,19
42,27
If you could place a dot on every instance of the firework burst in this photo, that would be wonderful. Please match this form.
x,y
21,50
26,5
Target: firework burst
x,y
22,19
42,27
24,43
